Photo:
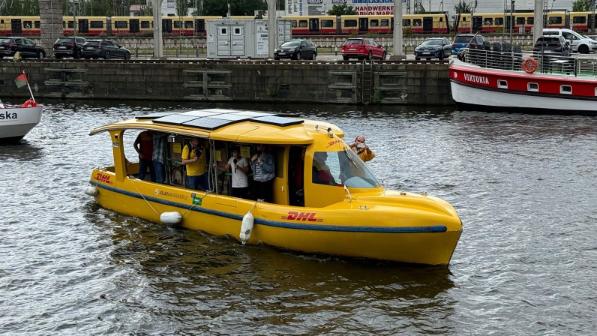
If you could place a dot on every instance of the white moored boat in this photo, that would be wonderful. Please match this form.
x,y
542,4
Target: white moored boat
x,y
506,82
17,121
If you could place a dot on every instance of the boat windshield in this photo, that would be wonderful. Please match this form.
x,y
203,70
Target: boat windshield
x,y
342,168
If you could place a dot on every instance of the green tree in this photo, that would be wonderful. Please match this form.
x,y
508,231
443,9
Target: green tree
x,y
342,9
237,7
582,5
462,7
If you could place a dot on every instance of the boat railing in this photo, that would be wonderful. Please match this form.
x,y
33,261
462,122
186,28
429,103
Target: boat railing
x,y
575,65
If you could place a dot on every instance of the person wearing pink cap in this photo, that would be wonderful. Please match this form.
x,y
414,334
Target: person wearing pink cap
x,y
362,150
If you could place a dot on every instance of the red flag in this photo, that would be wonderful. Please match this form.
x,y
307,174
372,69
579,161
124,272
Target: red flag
x,y
21,80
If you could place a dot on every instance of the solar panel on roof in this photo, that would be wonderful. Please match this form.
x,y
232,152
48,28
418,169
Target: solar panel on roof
x,y
175,119
278,121
253,114
234,117
153,115
208,123
201,113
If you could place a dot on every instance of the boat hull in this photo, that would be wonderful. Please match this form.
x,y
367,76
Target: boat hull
x,y
15,123
422,240
507,90
487,99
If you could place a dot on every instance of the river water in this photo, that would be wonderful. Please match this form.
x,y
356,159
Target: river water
x,y
525,187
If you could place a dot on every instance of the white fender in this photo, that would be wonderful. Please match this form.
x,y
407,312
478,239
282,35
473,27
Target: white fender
x,y
91,191
171,218
247,227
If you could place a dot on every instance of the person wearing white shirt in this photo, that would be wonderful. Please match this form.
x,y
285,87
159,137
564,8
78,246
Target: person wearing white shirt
x,y
239,168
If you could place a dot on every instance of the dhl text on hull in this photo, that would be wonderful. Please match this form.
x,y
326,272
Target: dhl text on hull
x,y
324,199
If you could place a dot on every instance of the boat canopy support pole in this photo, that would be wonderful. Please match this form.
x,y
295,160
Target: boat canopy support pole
x,y
118,152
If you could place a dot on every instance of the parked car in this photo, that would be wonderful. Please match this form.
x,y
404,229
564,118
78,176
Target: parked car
x,y
26,48
435,47
296,49
578,43
471,41
362,48
105,49
69,47
551,46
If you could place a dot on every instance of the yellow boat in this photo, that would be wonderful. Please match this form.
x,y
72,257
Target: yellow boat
x,y
345,213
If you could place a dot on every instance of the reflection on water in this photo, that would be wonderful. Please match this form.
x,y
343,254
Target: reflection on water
x,y
525,187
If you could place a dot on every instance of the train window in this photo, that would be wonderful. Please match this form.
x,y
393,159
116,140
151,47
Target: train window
x,y
385,23
303,24
488,22
188,24
36,24
144,24
579,19
2,22
96,24
417,22
520,21
374,23
27,24
327,23
555,20
177,24
294,24
464,19
530,20
71,24
406,22
499,21
441,19
121,24
350,23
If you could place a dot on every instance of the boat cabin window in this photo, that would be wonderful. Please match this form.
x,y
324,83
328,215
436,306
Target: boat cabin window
x,y
502,84
340,169
533,87
565,89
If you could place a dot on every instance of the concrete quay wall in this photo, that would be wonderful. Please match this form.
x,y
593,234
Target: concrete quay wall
x,y
407,83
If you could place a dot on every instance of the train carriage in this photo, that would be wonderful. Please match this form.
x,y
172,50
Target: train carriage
x,y
582,21
19,26
86,25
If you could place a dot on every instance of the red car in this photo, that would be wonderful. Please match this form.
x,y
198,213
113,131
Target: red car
x,y
362,48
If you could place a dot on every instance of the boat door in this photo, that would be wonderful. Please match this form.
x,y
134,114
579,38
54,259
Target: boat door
x,y
363,24
427,24
16,26
296,176
83,26
134,26
223,39
237,41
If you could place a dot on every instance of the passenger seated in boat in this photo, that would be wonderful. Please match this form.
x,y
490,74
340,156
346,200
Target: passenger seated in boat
x,y
193,157
321,171
264,171
239,168
144,147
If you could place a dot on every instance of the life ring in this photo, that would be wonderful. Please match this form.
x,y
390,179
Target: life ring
x,y
529,65
29,103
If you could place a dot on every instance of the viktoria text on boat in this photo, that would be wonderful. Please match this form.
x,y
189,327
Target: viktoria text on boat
x,y
324,198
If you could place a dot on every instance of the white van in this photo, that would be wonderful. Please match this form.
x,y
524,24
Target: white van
x,y
578,43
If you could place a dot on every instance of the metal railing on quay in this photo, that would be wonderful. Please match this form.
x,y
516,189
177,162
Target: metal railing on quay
x,y
547,63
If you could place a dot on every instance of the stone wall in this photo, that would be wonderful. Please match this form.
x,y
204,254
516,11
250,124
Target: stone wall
x,y
249,81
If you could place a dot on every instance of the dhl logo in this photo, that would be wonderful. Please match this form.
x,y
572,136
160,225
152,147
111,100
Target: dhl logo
x,y
302,216
101,177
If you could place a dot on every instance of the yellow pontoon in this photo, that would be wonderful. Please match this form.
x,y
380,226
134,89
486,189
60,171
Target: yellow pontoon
x,y
325,200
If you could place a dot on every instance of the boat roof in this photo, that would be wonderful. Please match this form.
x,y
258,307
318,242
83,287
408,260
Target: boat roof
x,y
229,125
